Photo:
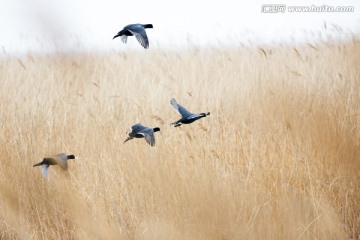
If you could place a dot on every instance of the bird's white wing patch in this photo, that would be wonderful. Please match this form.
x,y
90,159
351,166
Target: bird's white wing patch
x,y
44,170
124,38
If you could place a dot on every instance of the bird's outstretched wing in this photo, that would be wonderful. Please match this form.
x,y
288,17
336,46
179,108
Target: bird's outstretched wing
x,y
60,155
60,159
124,38
149,135
180,109
141,36
63,164
44,170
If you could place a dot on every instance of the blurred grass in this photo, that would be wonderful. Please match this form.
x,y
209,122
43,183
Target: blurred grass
x,y
278,158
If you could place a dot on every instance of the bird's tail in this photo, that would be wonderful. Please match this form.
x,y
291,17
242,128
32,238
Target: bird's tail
x,y
148,26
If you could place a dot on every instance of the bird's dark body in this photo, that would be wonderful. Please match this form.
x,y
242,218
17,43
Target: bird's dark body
x,y
190,119
187,117
138,136
53,160
48,161
124,32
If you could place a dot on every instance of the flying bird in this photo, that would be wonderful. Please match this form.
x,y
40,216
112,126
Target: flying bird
x,y
186,116
139,131
137,30
58,159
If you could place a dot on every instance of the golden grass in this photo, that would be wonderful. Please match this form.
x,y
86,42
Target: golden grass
x,y
278,158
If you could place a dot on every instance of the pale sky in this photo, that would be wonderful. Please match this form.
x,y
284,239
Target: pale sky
x,y
43,25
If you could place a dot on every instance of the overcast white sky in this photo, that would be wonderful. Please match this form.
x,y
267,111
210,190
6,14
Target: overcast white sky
x,y
43,25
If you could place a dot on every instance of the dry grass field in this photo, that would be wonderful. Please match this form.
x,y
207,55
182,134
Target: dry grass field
x,y
278,158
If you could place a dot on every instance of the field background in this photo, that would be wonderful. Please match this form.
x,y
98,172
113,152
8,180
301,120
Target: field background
x,y
278,158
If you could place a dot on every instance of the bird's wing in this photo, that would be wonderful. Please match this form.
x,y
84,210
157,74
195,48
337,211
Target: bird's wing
x,y
141,36
59,159
124,38
149,135
60,155
180,109
44,170
192,116
63,163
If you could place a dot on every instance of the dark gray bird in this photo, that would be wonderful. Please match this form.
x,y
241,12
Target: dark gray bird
x,y
139,131
58,159
137,30
187,117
